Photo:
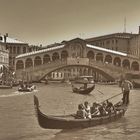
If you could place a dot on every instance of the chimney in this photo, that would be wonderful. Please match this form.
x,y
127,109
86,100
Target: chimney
x,y
139,29
5,37
6,34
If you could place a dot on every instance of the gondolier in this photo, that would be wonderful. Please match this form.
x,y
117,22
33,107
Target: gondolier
x,y
126,87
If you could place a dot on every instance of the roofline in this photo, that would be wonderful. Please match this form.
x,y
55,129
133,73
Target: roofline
x,y
116,35
40,51
106,50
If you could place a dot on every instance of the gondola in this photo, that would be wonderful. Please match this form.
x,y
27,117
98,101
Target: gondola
x,y
5,87
107,83
82,90
29,89
70,122
134,78
136,83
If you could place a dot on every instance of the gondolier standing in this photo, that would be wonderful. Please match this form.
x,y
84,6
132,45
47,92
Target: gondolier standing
x,y
126,87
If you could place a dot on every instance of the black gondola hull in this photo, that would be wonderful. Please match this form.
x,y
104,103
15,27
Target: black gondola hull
x,y
83,91
69,121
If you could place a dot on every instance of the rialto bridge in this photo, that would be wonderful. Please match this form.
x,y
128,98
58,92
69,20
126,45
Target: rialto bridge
x,y
74,58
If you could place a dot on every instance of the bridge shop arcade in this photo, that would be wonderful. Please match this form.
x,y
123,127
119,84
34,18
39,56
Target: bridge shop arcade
x,y
75,58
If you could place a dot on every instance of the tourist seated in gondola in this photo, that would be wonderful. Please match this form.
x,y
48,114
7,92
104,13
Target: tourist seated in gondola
x,y
87,109
110,107
102,109
95,110
119,104
81,113
84,86
21,86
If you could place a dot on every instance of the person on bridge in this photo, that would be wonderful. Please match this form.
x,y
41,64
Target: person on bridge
x,y
126,87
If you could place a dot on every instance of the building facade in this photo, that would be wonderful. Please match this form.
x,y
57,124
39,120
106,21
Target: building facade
x,y
123,42
4,57
135,45
15,48
117,41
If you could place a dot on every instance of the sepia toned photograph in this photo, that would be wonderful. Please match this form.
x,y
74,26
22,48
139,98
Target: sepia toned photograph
x,y
69,70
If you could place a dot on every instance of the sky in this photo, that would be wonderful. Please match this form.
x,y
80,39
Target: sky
x,y
48,21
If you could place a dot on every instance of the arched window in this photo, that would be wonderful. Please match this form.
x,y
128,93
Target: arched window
x,y
55,56
19,65
135,66
126,64
46,59
28,63
90,55
99,57
108,59
117,61
37,61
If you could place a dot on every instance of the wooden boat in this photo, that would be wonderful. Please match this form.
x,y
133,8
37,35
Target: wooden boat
x,y
136,83
29,89
82,90
70,122
107,83
5,87
134,78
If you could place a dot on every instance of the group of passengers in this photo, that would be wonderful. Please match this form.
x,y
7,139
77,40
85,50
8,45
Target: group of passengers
x,y
24,85
85,111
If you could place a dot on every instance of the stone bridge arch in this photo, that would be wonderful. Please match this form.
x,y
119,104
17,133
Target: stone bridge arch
x,y
100,71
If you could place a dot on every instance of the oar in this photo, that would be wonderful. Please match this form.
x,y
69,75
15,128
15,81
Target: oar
x,y
112,97
100,92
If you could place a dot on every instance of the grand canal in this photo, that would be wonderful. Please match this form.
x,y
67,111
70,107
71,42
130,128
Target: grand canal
x,y
18,120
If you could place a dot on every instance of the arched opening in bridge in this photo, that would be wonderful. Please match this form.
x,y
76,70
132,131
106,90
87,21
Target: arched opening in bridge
x,y
55,56
72,72
37,61
64,54
117,61
126,64
108,59
99,57
28,63
135,66
19,65
46,59
90,55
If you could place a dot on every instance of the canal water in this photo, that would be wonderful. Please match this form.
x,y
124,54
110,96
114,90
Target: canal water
x,y
18,120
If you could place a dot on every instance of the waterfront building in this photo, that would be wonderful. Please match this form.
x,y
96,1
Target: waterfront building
x,y
4,58
135,45
15,48
123,42
116,41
